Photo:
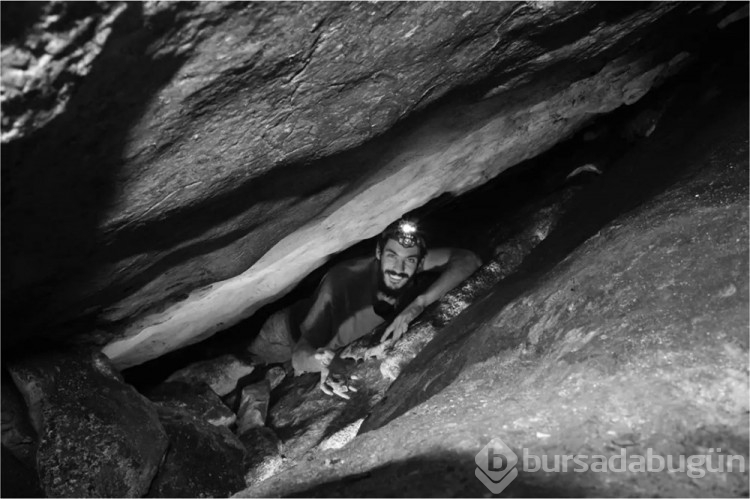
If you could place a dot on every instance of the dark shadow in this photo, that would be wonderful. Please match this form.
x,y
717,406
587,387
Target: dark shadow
x,y
446,474
59,181
18,479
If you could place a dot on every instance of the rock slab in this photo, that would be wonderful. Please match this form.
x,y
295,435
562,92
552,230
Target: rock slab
x,y
98,437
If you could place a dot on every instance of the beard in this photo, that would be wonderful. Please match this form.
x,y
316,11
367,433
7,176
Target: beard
x,y
387,298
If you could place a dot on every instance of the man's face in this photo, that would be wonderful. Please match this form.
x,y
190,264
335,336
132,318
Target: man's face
x,y
397,264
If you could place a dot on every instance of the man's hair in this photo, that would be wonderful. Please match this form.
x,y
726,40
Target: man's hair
x,y
404,231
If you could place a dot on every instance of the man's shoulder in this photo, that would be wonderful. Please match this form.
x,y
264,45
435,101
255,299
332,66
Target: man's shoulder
x,y
350,269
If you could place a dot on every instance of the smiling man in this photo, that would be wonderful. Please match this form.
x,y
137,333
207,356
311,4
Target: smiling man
x,y
357,296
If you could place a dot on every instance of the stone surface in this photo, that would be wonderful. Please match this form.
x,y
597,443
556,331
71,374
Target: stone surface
x,y
253,408
44,62
221,373
155,208
199,400
18,436
263,458
625,330
275,376
203,460
97,436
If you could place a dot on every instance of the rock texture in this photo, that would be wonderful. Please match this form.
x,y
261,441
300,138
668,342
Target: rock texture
x,y
624,330
97,436
198,400
149,201
203,460
220,373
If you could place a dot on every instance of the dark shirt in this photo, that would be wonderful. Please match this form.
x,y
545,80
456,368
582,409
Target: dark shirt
x,y
342,310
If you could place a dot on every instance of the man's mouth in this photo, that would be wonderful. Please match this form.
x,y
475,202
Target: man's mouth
x,y
395,278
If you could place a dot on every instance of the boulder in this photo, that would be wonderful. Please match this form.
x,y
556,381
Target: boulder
x,y
220,373
264,454
253,409
263,446
98,437
203,460
199,400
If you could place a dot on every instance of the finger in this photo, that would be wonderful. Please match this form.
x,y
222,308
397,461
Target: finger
x,y
326,389
387,333
352,389
341,394
354,377
338,386
403,330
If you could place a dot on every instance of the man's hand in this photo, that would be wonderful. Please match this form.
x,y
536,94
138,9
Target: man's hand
x,y
333,381
401,323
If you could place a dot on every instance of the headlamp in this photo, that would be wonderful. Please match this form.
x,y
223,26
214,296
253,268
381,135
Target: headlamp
x,y
406,234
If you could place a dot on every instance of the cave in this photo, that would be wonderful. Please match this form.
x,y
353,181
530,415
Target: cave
x,y
176,174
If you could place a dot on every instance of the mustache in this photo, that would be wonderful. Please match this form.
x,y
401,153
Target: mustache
x,y
396,274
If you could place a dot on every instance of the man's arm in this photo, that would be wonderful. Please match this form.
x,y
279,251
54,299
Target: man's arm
x,y
303,358
455,265
316,331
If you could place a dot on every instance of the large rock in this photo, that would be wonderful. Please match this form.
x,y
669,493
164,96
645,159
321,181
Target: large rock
x,y
624,332
215,153
221,373
198,400
203,460
97,436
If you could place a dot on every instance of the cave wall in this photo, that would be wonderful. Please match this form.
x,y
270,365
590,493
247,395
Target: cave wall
x,y
190,162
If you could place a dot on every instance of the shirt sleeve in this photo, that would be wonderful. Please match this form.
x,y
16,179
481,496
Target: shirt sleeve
x,y
317,327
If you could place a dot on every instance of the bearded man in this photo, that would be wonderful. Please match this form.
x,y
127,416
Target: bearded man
x,y
359,295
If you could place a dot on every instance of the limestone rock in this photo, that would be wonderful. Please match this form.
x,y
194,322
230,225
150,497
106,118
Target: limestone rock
x,y
203,460
97,436
220,373
198,400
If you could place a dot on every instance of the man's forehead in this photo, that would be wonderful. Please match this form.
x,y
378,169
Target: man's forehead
x,y
400,250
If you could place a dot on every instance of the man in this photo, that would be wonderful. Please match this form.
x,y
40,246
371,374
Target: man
x,y
357,296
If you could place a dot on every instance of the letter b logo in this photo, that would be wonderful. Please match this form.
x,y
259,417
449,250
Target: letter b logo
x,y
496,465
